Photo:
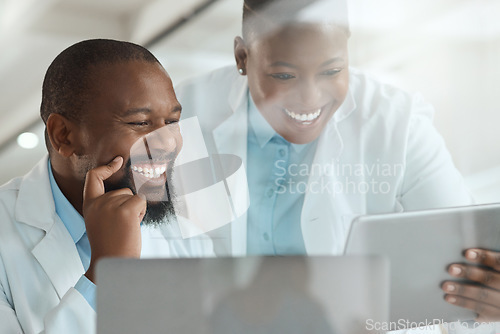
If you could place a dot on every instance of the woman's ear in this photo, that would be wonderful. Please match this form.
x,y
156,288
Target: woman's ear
x,y
63,134
240,55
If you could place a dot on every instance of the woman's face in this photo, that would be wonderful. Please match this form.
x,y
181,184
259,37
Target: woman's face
x,y
298,77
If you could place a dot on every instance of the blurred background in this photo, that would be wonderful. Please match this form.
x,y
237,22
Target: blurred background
x,y
449,50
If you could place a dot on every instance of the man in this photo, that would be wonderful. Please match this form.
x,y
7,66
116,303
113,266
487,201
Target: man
x,y
102,101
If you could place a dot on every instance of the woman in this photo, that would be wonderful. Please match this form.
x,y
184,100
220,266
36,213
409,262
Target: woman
x,y
321,142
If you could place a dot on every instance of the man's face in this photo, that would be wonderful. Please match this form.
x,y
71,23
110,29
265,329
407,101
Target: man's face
x,y
133,113
298,77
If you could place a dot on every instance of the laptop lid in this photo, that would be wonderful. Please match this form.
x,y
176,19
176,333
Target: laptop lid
x,y
242,295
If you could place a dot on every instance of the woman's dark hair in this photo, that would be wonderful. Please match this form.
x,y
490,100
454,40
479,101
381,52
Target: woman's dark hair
x,y
287,12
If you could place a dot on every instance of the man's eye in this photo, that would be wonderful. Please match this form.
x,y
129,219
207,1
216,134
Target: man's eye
x,y
172,121
331,72
139,123
282,76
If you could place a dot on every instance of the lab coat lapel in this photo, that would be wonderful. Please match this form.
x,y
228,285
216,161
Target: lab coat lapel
x,y
56,251
322,227
230,137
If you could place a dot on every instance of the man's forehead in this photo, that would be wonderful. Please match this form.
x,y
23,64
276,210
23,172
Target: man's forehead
x,y
128,77
123,87
124,69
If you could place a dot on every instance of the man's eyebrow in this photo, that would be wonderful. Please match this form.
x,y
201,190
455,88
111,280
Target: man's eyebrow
x,y
177,108
133,111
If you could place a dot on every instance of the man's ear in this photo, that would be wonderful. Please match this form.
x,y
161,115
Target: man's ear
x,y
63,134
240,55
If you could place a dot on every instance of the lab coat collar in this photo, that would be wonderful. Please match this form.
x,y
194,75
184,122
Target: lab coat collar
x,y
56,252
330,141
35,192
230,137
347,107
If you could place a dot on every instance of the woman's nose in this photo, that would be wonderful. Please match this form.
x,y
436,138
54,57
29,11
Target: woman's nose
x,y
309,92
166,138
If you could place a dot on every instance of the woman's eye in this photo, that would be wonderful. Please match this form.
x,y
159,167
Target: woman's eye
x,y
331,72
282,76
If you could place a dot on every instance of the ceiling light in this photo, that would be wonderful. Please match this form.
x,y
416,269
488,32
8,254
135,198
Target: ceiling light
x,y
27,140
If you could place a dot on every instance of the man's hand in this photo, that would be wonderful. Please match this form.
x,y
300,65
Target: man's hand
x,y
483,298
113,219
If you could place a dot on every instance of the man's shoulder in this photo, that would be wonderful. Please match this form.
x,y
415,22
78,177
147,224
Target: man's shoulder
x,y
9,191
26,189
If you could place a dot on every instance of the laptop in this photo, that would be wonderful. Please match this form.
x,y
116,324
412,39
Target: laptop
x,y
242,295
420,246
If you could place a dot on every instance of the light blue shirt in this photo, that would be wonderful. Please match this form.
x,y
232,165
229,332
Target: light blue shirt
x,y
76,227
276,188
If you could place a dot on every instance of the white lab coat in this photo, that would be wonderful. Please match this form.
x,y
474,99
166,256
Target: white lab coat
x,y
376,126
39,262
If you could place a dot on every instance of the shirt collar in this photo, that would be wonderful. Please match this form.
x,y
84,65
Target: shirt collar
x,y
70,217
264,132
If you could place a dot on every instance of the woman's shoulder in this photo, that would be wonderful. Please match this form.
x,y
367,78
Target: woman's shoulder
x,y
219,79
365,85
374,97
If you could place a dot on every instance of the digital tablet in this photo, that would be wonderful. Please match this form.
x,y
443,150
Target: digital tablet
x,y
420,246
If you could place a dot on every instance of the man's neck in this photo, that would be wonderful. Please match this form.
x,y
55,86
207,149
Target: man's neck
x,y
71,187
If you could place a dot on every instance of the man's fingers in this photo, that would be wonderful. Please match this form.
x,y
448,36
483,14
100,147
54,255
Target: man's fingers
x,y
136,205
484,257
486,277
94,181
485,311
477,293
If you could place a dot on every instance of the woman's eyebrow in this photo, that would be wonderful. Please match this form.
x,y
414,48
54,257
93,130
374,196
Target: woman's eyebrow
x,y
326,63
331,61
282,63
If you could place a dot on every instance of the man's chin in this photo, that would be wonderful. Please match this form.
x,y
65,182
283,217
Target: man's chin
x,y
159,213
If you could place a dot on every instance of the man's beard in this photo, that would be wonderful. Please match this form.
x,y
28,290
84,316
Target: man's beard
x,y
157,212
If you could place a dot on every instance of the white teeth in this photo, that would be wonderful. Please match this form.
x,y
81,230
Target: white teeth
x,y
150,172
304,117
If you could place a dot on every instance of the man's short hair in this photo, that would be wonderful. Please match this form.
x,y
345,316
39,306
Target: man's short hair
x,y
287,12
67,82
